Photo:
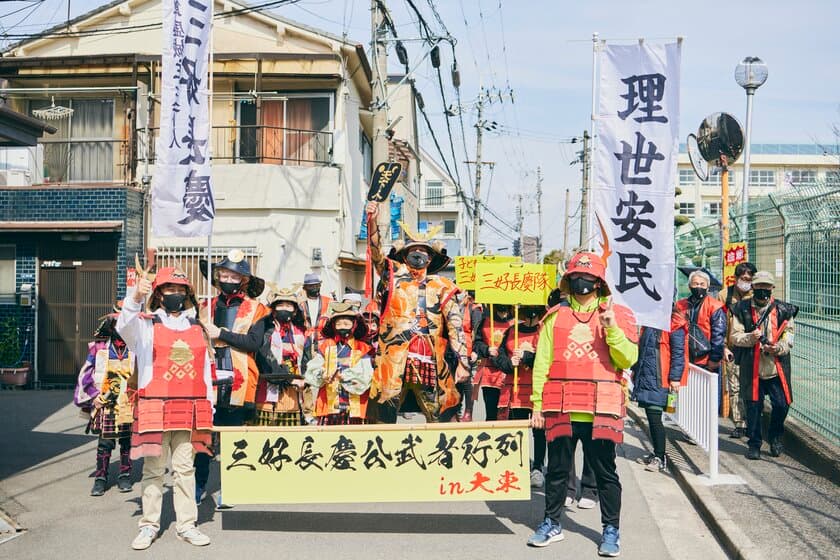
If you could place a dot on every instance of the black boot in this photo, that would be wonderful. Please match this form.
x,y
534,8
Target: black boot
x,y
124,478
100,484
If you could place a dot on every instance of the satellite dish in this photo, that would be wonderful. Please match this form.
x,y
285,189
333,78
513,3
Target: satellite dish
x,y
720,135
700,165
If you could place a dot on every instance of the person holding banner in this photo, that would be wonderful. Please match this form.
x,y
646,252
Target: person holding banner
x,y
174,414
235,309
473,312
102,392
496,320
517,350
278,342
662,368
421,315
578,394
341,368
731,297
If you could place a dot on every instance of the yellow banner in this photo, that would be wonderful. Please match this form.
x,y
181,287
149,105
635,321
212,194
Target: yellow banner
x,y
733,255
514,283
376,463
465,267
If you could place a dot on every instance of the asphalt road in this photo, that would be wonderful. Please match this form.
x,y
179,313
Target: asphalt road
x,y
45,469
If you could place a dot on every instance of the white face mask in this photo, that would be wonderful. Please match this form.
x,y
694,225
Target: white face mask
x,y
744,286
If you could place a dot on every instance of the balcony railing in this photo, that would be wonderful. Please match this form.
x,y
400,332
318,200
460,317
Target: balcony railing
x,y
87,160
267,144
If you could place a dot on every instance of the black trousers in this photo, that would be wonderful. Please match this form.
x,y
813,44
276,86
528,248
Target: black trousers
x,y
772,388
657,430
539,437
601,456
235,416
491,402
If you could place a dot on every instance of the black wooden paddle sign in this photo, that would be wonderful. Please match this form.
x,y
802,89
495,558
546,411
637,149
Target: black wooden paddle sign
x,y
384,178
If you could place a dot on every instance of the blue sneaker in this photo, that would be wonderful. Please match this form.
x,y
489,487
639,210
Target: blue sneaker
x,y
609,542
547,533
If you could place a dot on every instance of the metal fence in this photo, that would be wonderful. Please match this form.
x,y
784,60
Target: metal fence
x,y
794,234
187,259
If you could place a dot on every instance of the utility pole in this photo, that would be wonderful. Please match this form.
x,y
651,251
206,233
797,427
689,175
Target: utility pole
x,y
566,228
477,199
584,202
378,108
539,214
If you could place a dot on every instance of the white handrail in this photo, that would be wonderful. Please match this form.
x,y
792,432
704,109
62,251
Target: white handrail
x,y
697,413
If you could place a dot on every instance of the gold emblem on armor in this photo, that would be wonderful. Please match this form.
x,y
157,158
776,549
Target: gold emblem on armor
x,y
180,361
580,343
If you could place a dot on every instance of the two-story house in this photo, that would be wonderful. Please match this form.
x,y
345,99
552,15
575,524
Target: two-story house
x,y
291,157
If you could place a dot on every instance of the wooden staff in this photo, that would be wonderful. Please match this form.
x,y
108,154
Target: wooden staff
x,y
515,348
492,328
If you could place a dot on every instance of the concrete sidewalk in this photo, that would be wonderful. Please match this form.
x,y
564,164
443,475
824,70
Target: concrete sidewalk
x,y
47,461
784,510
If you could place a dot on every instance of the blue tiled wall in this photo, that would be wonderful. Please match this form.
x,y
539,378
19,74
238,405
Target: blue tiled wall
x,y
72,204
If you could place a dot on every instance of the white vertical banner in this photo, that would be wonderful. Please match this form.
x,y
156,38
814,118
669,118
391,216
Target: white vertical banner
x,y
635,174
182,193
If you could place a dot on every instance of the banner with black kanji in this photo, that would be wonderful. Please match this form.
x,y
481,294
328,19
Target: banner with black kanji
x,y
182,193
635,174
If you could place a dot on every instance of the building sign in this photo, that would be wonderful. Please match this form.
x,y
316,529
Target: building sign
x,y
514,283
182,193
331,464
733,255
636,172
465,267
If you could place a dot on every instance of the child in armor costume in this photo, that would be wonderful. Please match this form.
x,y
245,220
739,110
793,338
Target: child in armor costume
x,y
517,405
488,377
102,392
278,343
341,368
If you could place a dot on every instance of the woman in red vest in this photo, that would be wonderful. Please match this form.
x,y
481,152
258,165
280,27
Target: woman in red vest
x,y
174,416
578,395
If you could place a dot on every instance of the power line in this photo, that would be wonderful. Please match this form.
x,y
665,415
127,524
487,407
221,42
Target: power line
x,y
122,30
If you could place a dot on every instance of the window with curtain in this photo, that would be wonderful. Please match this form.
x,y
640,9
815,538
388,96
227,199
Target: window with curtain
x,y
83,147
801,177
295,130
762,177
687,177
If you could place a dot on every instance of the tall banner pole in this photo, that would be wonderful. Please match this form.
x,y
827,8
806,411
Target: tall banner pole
x,y
210,155
516,347
592,140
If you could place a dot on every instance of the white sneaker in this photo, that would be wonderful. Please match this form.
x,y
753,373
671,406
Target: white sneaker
x,y
587,503
194,537
537,479
569,501
144,538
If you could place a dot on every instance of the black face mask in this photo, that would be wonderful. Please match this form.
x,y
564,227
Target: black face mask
x,y
283,315
762,295
229,287
582,286
313,292
531,313
698,293
173,302
343,333
417,260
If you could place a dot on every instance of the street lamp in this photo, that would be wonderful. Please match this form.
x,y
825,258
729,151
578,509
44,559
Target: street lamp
x,y
750,74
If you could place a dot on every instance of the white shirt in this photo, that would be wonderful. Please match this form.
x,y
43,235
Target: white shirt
x,y
312,306
138,334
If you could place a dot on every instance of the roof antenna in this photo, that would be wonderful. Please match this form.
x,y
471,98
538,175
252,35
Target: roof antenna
x,y
68,13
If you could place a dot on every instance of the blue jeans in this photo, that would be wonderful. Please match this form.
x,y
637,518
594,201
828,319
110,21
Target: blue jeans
x,y
772,388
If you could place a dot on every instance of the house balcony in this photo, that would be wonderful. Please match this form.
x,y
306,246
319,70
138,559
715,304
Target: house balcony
x,y
267,144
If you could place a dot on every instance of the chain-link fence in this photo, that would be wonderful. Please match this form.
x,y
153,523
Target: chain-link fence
x,y
794,234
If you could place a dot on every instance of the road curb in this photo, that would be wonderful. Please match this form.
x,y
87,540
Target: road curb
x,y
811,449
734,541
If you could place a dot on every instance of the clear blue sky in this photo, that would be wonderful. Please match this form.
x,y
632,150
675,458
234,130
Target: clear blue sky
x,y
542,50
